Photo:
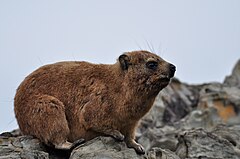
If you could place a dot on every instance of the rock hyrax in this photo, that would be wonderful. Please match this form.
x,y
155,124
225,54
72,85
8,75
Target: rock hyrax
x,y
63,102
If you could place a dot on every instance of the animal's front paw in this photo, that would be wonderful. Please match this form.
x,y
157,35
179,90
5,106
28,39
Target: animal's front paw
x,y
139,149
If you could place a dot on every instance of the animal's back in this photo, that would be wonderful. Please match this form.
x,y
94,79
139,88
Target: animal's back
x,y
61,89
63,80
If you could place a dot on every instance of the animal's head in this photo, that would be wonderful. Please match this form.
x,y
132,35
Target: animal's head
x,y
147,70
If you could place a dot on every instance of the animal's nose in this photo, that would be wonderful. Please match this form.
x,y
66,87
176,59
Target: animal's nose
x,y
172,69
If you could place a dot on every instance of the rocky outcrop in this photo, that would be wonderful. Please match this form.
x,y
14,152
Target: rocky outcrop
x,y
21,147
234,79
187,121
198,143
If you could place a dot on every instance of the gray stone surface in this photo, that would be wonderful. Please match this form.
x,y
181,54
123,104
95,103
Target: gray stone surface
x,y
21,147
233,80
104,148
198,143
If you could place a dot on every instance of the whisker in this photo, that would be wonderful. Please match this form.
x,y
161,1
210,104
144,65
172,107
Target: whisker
x,y
152,47
159,49
138,45
149,47
39,59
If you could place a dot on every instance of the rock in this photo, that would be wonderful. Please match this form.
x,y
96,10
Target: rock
x,y
21,147
164,137
199,119
104,148
179,100
108,148
226,101
198,143
13,145
234,79
230,133
158,153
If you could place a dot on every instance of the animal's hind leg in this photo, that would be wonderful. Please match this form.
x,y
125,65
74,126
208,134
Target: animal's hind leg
x,y
48,121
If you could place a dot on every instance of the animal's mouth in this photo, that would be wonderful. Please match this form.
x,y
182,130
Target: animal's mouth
x,y
165,80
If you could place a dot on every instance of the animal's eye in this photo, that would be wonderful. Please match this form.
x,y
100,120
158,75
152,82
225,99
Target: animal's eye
x,y
152,64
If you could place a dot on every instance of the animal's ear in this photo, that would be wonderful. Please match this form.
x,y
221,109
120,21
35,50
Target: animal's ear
x,y
124,61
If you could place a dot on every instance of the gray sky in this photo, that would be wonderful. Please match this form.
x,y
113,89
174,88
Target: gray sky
x,y
201,37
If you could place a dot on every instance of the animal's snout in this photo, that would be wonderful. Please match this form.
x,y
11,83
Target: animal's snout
x,y
172,70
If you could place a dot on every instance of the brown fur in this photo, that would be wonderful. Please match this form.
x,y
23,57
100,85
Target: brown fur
x,y
67,101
